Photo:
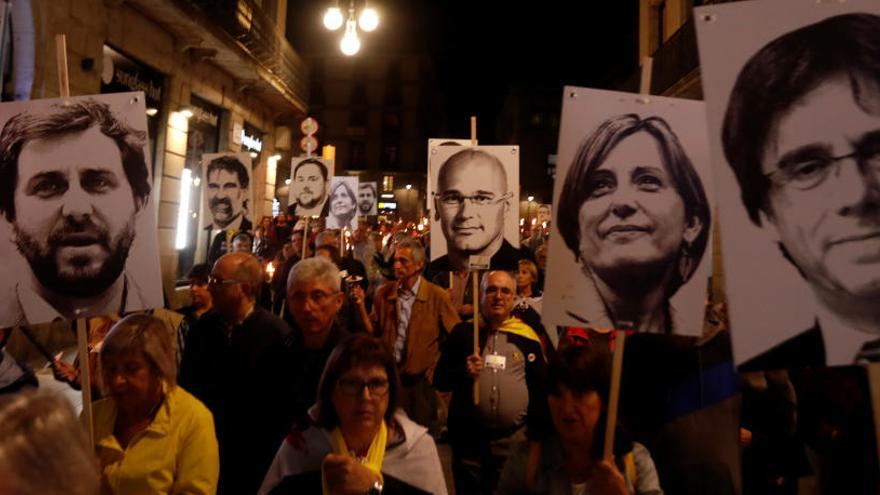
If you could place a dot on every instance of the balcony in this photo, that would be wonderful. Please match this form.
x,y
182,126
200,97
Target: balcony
x,y
239,37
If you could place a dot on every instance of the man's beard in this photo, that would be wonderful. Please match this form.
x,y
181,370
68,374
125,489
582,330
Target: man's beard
x,y
216,204
366,206
83,281
311,204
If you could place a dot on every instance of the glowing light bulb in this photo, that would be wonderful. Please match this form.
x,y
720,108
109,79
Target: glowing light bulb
x,y
333,18
350,43
369,19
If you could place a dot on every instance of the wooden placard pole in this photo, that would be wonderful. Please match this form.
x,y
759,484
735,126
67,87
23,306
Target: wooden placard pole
x,y
81,332
476,297
620,335
476,288
61,59
874,386
305,237
85,379
614,395
647,71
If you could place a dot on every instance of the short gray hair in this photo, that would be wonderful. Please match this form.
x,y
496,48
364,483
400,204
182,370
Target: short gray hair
x,y
315,269
415,247
484,282
148,335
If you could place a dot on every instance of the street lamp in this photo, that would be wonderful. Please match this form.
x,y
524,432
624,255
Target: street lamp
x,y
367,21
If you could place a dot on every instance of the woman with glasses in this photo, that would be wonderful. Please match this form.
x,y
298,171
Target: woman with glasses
x,y
359,442
151,436
634,213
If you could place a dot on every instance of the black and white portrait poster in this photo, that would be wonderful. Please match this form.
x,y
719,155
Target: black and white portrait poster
x,y
78,222
227,199
368,199
632,223
309,185
343,211
433,143
793,106
474,206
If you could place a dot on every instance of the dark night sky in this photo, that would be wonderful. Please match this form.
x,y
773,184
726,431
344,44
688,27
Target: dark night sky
x,y
481,48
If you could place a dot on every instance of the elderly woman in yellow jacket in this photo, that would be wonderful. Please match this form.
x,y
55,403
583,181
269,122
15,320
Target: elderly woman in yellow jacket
x,y
151,436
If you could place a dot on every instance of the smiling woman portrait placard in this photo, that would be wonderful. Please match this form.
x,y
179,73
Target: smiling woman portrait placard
x,y
632,226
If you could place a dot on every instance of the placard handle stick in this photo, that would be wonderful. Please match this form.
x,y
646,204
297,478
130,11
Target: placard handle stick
x,y
473,130
4,26
476,298
614,395
874,386
305,237
61,60
647,71
85,380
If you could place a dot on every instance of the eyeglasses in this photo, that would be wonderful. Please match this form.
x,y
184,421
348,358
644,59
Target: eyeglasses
x,y
454,199
214,280
377,388
804,173
316,297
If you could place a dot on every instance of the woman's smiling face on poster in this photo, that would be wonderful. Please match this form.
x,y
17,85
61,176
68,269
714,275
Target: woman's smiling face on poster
x,y
633,215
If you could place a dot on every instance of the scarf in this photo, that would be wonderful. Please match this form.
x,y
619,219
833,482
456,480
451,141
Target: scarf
x,y
375,455
515,326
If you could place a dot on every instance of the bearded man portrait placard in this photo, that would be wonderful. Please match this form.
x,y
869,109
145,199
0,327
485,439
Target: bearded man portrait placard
x,y
77,211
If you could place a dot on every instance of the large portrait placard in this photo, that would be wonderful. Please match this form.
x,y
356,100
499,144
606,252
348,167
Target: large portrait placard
x,y
632,222
227,201
343,203
309,185
474,197
368,198
793,106
78,222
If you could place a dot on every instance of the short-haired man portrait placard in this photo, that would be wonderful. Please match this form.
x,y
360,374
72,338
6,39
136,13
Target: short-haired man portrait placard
x,y
309,185
368,199
474,205
630,245
79,224
227,194
794,123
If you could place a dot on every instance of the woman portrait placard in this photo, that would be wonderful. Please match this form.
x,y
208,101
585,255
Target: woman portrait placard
x,y
343,202
631,235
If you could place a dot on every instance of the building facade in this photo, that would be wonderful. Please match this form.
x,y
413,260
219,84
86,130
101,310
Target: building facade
x,y
218,75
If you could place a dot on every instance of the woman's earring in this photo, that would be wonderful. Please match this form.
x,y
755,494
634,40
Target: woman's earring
x,y
685,262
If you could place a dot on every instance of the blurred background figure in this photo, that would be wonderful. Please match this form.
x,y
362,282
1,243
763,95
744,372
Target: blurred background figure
x,y
570,461
43,449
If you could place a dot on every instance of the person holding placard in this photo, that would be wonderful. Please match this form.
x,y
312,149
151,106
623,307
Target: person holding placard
x,y
570,462
802,135
634,213
512,373
151,436
74,182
